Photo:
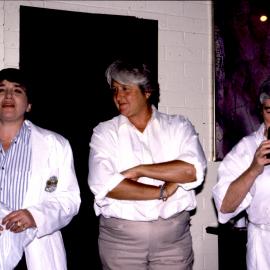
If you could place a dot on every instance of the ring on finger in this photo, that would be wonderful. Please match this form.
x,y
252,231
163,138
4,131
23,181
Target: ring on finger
x,y
18,223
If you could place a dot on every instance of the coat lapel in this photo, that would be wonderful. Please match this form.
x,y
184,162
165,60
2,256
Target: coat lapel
x,y
39,163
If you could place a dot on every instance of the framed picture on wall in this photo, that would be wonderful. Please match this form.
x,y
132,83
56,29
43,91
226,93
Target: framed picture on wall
x,y
242,63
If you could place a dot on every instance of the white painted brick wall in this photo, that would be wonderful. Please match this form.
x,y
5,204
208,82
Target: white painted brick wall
x,y
185,76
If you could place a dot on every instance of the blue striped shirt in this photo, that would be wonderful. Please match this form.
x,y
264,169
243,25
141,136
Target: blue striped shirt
x,y
15,168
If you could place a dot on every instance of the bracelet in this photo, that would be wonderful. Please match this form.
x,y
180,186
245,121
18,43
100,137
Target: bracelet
x,y
163,193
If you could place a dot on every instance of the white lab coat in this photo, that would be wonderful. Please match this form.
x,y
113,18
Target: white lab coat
x,y
256,203
51,156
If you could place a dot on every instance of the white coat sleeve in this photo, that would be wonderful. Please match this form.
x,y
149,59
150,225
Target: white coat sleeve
x,y
232,166
57,208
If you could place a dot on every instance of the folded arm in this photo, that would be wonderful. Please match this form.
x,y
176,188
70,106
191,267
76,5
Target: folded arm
x,y
172,172
176,171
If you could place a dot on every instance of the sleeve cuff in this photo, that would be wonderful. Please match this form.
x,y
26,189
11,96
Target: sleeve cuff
x,y
114,181
199,178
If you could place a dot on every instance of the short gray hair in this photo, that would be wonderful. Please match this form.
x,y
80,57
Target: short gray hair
x,y
264,91
131,73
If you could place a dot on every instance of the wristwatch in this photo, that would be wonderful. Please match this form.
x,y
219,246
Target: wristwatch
x,y
163,193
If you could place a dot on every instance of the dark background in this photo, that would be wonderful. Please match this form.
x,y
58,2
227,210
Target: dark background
x,y
242,63
66,53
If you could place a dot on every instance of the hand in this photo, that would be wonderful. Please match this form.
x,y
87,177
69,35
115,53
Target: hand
x,y
260,159
18,221
132,173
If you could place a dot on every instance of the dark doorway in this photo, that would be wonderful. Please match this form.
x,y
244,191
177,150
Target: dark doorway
x,y
66,54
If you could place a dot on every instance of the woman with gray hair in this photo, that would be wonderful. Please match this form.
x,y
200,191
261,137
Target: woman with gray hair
x,y
143,168
243,185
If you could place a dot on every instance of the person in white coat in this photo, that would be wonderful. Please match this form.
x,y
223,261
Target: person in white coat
x,y
243,185
37,176
143,168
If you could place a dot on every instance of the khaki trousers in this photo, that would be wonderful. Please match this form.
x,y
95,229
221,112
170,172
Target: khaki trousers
x,y
164,244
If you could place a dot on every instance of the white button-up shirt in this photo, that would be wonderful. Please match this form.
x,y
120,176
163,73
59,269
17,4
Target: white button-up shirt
x,y
257,200
116,145
256,203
